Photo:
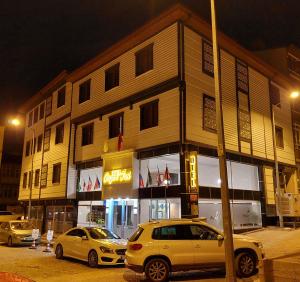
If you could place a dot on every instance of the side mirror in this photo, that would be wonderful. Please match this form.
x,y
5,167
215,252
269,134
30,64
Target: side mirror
x,y
220,237
84,238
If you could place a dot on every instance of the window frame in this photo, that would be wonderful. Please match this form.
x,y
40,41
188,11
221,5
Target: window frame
x,y
279,129
61,97
112,77
213,130
27,148
204,60
56,177
111,133
42,111
30,119
59,133
238,65
36,115
39,143
44,176
84,127
25,176
48,107
47,138
154,119
37,177
144,59
84,91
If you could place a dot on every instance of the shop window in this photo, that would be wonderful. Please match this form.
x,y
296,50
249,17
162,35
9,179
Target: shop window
x,y
59,134
30,116
116,125
144,60
209,113
84,91
25,180
37,177
275,95
61,96
48,110
27,149
56,173
279,137
87,134
207,58
112,77
149,115
47,139
36,115
44,175
242,76
42,111
39,143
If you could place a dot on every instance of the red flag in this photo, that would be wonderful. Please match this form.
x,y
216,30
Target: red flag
x,y
141,181
89,185
97,184
120,142
167,176
158,178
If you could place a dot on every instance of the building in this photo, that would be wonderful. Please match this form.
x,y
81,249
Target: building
x,y
142,130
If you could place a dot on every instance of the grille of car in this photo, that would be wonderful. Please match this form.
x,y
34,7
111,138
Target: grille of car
x,y
121,252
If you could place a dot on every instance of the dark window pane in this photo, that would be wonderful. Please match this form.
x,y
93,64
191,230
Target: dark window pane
x,y
39,143
119,215
61,97
27,150
174,232
279,137
56,173
242,76
47,139
207,58
144,60
42,110
149,115
59,134
274,95
44,175
25,180
37,177
112,77
49,106
87,134
209,113
84,91
115,125
36,115
30,119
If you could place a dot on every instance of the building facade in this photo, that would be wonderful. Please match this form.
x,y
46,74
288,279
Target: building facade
x,y
140,131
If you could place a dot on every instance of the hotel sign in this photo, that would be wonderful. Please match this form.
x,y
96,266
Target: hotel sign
x,y
117,176
193,172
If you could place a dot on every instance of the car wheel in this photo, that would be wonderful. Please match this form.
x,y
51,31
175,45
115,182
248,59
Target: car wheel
x,y
9,241
245,264
157,270
93,258
59,252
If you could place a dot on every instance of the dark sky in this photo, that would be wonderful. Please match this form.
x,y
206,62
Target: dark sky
x,y
39,38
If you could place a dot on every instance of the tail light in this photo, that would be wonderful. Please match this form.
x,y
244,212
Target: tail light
x,y
135,247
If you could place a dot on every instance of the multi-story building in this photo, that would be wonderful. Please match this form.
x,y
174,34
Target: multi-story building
x,y
142,130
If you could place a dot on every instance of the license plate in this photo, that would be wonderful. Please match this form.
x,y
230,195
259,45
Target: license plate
x,y
28,238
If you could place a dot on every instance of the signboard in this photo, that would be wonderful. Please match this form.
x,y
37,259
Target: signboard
x,y
117,176
193,172
90,180
35,234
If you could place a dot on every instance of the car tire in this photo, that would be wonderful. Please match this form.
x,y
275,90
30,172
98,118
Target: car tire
x,y
59,252
93,259
10,241
245,264
157,270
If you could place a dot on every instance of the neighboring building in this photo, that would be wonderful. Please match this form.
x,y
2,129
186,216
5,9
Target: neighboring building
x,y
143,137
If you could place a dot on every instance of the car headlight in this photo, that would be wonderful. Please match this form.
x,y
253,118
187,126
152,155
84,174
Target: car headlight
x,y
258,244
106,250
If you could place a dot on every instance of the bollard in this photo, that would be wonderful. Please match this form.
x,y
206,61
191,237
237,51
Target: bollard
x,y
33,246
47,250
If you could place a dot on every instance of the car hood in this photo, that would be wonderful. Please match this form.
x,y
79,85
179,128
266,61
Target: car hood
x,y
113,243
22,232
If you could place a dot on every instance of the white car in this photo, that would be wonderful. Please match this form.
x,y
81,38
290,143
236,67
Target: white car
x,y
160,247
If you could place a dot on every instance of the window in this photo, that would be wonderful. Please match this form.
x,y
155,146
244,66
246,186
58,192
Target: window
x,y
294,64
36,115
30,179
39,143
279,137
47,139
149,115
116,125
33,144
87,134
56,173
112,77
37,177
297,135
49,106
244,117
209,113
242,76
77,233
274,95
59,134
42,110
207,58
61,94
27,150
203,233
30,119
84,91
174,232
144,60
25,180
44,175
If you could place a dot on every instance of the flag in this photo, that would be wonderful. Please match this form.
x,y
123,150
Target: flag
x,y
89,185
141,181
97,184
167,177
149,179
158,178
120,142
83,186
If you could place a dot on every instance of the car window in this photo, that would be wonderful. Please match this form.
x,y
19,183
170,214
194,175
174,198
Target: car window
x,y
73,232
22,225
200,232
5,213
101,233
81,233
136,235
173,232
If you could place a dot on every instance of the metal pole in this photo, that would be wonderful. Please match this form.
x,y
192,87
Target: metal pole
x,y
30,188
228,244
278,191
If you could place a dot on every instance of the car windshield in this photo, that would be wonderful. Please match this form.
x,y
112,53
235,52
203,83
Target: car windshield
x,y
101,233
20,225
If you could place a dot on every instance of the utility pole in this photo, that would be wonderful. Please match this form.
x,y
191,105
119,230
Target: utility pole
x,y
228,244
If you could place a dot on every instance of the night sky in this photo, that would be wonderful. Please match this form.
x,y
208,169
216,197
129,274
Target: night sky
x,y
40,38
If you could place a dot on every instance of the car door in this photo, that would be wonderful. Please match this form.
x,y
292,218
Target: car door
x,y
208,250
69,241
81,245
174,242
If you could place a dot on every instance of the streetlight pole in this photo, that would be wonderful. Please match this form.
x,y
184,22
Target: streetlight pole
x,y
31,183
227,226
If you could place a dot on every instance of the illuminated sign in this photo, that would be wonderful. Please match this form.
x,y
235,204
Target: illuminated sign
x,y
117,176
193,171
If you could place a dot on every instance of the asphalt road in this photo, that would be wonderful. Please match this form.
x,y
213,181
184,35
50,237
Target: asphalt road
x,y
40,266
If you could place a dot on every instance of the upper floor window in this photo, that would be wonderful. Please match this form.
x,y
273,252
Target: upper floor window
x,y
42,110
209,113
48,106
87,134
30,179
294,64
144,60
36,177
149,115
47,139
207,58
27,149
84,91
36,115
275,95
59,134
61,95
39,143
30,120
297,135
244,117
242,76
279,137
116,125
112,77
24,180
44,175
56,173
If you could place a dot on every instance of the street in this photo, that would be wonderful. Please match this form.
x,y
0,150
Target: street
x,y
40,266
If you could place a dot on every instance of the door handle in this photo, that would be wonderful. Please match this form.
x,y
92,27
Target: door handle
x,y
165,247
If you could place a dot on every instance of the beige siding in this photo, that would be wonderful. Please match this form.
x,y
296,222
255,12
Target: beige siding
x,y
165,66
167,130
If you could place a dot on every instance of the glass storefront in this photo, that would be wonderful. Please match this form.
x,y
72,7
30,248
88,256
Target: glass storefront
x,y
59,218
91,213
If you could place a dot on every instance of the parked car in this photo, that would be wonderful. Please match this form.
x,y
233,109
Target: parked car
x,y
8,215
92,244
160,247
17,232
